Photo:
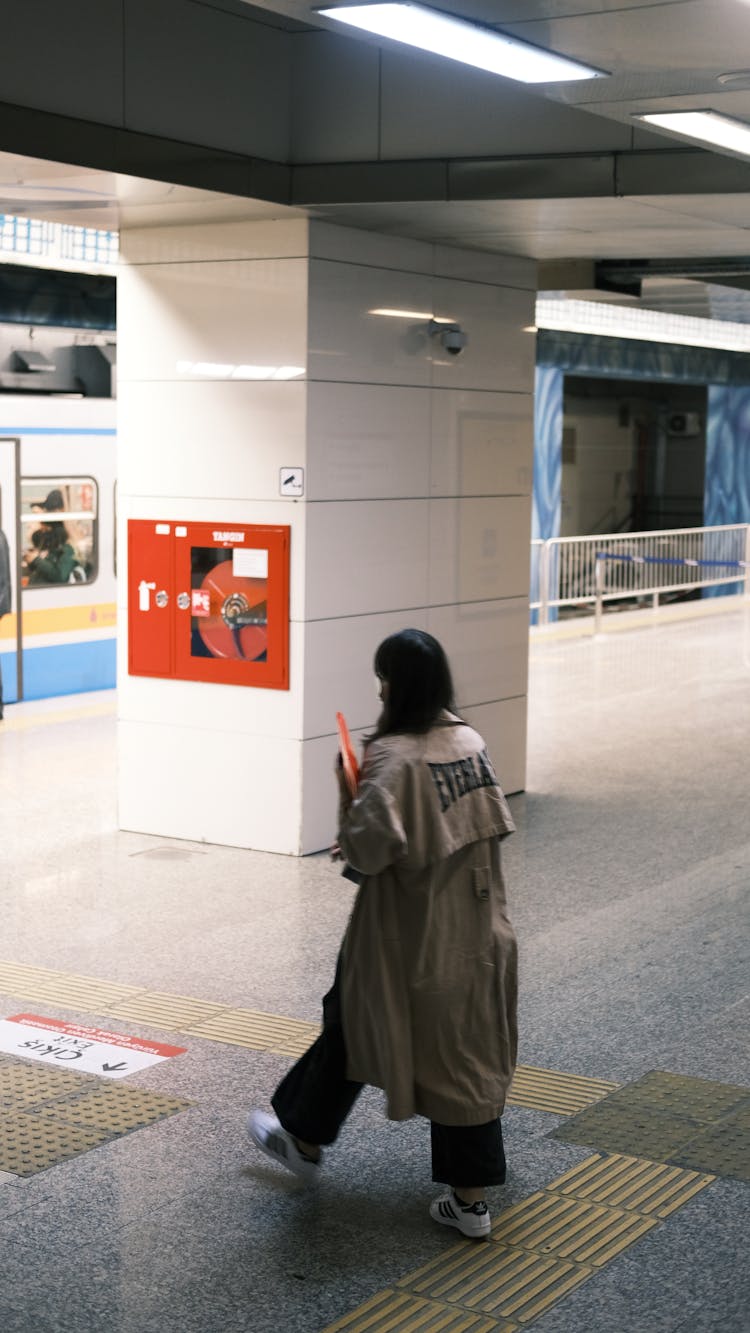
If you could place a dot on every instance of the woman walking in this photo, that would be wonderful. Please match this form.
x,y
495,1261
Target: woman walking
x,y
424,1000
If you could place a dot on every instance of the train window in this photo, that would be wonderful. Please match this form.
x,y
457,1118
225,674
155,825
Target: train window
x,y
59,530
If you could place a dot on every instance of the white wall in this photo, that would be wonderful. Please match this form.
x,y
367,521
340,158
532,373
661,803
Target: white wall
x,y
597,489
417,509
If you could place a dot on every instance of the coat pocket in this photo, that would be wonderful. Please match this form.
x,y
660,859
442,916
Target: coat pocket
x,y
481,881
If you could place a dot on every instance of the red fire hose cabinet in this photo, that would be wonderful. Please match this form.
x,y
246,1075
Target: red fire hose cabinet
x,y
209,601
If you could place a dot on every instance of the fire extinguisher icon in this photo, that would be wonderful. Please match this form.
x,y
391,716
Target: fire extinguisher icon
x,y
144,595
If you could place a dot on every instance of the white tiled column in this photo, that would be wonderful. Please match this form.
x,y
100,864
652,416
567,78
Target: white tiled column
x,y
198,307
419,468
416,512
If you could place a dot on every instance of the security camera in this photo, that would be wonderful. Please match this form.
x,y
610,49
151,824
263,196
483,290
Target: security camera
x,y
454,341
452,338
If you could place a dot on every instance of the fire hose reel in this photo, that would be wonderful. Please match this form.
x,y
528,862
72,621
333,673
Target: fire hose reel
x,y
226,593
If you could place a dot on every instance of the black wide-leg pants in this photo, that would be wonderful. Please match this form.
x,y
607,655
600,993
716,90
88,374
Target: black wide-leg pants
x,y
314,1099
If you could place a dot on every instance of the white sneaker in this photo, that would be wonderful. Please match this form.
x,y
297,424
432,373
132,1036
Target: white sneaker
x,y
472,1220
272,1139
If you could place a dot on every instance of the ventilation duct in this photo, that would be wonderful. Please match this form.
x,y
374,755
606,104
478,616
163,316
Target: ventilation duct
x,y
95,365
30,361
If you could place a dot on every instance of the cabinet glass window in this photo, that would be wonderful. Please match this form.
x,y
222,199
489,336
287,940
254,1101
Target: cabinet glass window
x,y
58,530
229,603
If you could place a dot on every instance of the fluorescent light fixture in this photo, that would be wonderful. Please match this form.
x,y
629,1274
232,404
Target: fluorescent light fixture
x,y
706,126
245,372
225,370
660,326
469,43
217,370
287,372
411,314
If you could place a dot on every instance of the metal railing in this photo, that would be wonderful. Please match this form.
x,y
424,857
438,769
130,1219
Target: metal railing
x,y
535,581
636,565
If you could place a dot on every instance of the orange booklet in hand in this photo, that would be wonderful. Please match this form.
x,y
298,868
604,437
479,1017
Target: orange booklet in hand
x,y
348,757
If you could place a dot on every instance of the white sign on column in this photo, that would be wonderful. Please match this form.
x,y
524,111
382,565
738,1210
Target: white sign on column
x,y
292,482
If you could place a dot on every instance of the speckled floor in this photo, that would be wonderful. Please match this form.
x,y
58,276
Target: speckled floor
x,y
629,884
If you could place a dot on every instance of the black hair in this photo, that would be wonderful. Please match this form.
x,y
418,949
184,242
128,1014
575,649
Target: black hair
x,y
53,536
420,686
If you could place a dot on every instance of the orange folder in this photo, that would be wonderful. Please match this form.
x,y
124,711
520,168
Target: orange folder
x,y
348,756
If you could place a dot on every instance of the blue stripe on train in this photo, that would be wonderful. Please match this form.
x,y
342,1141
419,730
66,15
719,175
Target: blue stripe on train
x,y
69,668
58,430
9,678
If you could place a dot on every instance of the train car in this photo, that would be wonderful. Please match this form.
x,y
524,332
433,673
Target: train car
x,y
57,510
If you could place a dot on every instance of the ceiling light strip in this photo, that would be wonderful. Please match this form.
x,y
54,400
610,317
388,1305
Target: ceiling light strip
x,y
703,126
426,315
468,43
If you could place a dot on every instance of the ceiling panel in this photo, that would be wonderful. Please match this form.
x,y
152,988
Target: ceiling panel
x,y
671,49
518,11
662,53
721,210
498,12
554,228
633,86
736,104
705,300
241,96
483,116
56,192
693,35
677,226
609,245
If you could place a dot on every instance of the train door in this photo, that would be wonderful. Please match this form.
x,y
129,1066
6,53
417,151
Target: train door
x,y
11,660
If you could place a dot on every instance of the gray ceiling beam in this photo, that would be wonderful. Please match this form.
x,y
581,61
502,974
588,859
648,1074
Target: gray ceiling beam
x,y
655,172
560,176
55,138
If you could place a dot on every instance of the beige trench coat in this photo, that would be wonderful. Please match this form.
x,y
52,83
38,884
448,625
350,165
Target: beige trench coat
x,y
429,974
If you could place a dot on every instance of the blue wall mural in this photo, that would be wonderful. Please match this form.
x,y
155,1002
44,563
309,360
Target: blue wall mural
x,y
548,416
727,374
624,359
728,455
727,494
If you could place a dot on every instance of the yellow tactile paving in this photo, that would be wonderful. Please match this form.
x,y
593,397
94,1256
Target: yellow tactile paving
x,y
673,1119
631,1182
24,1085
544,1247
49,1115
574,1229
163,1010
549,1090
30,1143
178,1012
42,983
497,1280
257,1031
112,1107
535,1089
399,1312
539,1250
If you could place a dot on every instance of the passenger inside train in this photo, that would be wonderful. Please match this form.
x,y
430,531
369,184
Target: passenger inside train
x,y
52,555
